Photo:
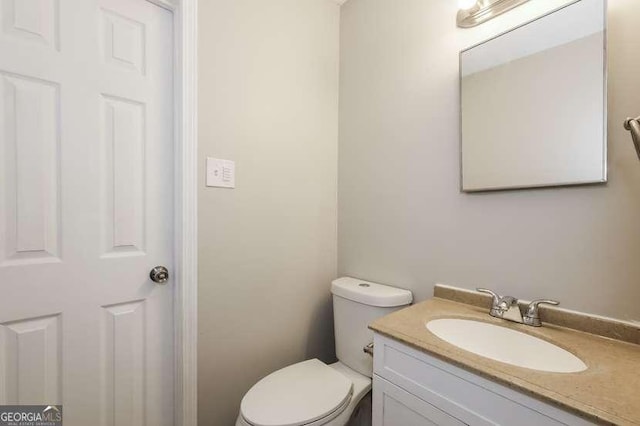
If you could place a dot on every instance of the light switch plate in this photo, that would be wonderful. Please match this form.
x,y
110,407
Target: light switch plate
x,y
221,173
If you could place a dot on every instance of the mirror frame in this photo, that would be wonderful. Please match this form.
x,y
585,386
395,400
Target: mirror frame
x,y
605,136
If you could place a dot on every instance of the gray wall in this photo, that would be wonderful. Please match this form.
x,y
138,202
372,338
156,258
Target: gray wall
x,y
269,100
402,219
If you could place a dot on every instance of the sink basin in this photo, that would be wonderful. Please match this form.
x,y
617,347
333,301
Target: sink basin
x,y
506,345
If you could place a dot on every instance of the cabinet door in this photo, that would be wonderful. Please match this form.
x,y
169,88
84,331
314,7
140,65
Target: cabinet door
x,y
465,396
394,406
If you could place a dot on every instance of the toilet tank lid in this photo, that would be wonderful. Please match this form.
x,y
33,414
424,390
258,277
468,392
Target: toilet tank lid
x,y
369,293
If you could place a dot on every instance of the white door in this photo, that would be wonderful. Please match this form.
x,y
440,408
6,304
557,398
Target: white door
x,y
86,209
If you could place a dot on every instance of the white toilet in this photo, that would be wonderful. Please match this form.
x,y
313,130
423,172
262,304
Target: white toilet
x,y
312,393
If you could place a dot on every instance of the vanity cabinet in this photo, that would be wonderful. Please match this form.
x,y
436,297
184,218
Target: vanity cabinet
x,y
411,388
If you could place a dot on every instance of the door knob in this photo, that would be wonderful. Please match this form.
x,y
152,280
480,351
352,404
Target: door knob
x,y
159,275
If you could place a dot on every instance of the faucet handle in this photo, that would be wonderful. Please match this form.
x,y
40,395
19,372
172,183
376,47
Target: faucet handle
x,y
532,317
533,306
496,297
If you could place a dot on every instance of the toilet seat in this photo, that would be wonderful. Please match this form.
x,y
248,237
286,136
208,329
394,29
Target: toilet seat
x,y
306,393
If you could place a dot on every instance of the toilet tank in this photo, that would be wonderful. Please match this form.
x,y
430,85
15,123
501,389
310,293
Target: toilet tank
x,y
357,303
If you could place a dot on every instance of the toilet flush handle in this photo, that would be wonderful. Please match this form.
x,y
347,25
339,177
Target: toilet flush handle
x,y
368,349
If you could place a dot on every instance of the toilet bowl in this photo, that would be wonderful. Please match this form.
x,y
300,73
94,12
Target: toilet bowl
x,y
312,393
309,393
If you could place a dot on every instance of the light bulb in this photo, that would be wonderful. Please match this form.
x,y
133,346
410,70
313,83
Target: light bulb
x,y
466,4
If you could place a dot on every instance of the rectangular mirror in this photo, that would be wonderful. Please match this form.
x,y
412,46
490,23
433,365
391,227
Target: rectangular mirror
x,y
533,103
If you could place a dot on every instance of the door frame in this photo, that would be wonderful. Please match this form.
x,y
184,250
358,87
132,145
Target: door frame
x,y
185,91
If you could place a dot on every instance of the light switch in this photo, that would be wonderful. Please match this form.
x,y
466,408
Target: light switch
x,y
221,173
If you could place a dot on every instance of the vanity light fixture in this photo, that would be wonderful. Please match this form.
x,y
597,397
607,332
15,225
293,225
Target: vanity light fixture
x,y
475,12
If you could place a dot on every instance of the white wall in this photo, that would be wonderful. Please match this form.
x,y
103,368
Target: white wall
x,y
269,100
402,219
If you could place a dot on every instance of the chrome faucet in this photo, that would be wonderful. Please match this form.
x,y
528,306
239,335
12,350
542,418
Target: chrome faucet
x,y
508,308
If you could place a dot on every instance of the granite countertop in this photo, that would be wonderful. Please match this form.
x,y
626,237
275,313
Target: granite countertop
x,y
608,392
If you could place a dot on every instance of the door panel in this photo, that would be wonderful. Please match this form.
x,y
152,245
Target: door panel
x,y
123,167
31,363
86,208
31,21
123,355
30,151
